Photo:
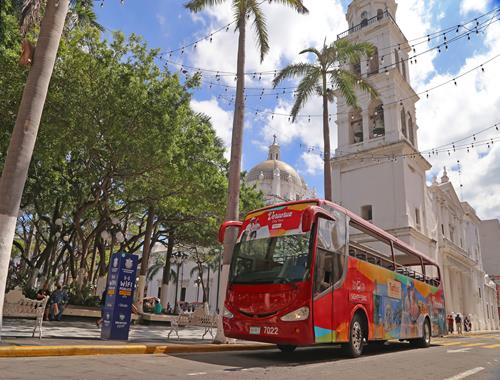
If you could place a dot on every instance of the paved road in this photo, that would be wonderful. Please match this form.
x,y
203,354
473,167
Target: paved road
x,y
472,357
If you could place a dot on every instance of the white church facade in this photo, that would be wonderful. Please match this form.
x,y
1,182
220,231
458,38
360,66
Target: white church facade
x,y
379,173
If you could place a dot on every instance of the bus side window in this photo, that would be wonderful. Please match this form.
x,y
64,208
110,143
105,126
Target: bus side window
x,y
329,263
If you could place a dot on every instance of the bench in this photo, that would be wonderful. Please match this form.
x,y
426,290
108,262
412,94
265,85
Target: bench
x,y
199,318
18,306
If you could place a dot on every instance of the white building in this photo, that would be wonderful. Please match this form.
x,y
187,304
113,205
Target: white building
x,y
278,181
489,233
379,173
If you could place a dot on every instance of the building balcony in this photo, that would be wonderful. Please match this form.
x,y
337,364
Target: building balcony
x,y
363,24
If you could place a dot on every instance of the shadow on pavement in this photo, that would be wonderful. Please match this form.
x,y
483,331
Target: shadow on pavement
x,y
239,360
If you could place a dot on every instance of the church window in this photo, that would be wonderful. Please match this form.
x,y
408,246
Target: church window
x,y
410,129
417,217
442,229
380,14
374,64
377,127
367,212
364,19
356,68
403,66
396,59
403,123
356,127
479,292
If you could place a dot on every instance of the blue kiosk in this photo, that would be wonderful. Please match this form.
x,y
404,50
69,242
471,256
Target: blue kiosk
x,y
119,297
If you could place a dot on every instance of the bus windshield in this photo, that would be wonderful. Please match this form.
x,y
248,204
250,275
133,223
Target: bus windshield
x,y
280,259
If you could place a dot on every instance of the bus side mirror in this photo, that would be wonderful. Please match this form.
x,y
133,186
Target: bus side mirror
x,y
310,214
223,226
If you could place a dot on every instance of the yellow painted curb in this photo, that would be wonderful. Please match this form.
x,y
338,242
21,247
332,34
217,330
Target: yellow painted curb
x,y
126,349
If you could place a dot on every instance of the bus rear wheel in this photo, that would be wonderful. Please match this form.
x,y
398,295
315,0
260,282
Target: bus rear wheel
x,y
286,348
356,337
425,340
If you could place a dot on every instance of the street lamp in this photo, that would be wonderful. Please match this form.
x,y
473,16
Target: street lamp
x,y
177,258
198,284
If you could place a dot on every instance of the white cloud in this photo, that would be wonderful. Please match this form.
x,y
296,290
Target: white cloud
x,y
313,163
467,6
452,113
161,19
222,121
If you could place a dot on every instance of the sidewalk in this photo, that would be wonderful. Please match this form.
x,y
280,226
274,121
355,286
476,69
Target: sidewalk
x,y
83,338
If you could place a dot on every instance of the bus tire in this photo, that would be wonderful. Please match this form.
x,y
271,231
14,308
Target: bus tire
x,y
286,348
357,336
425,340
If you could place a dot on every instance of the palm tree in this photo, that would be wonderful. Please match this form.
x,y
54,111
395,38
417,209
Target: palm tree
x,y
23,138
243,9
316,79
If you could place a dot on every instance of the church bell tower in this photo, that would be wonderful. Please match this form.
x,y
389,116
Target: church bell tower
x,y
377,170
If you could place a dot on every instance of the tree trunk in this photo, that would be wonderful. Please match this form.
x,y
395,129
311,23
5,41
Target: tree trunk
x,y
166,271
24,134
146,249
233,199
326,143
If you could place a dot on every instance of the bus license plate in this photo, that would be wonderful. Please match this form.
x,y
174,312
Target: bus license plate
x,y
254,330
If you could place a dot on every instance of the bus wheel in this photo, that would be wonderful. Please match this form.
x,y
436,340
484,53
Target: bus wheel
x,y
356,337
286,348
425,340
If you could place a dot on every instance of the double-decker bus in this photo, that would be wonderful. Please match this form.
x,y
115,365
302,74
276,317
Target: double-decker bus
x,y
311,272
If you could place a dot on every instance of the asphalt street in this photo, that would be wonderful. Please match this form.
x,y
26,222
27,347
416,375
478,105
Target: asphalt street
x,y
471,357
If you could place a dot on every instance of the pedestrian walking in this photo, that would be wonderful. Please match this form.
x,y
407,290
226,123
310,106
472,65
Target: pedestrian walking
x,y
458,321
450,323
58,300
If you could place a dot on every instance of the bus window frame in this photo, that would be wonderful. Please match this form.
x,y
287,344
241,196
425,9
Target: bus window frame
x,y
393,246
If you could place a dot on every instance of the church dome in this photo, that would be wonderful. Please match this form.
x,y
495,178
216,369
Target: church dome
x,y
267,169
277,180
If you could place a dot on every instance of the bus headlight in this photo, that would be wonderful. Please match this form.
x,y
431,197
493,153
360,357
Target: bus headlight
x,y
227,314
296,315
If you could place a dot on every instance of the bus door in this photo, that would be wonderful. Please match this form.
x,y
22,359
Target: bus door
x,y
328,270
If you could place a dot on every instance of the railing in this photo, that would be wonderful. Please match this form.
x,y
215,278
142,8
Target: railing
x,y
366,22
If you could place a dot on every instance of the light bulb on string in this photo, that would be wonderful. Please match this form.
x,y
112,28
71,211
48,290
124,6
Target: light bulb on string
x,y
458,28
482,68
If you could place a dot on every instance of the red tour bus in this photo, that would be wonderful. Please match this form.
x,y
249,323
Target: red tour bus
x,y
311,272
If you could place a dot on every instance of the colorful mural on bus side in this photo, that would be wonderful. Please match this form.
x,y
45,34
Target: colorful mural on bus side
x,y
396,305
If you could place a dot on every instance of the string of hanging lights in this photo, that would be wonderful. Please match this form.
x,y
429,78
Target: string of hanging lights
x,y
283,91
479,26
257,111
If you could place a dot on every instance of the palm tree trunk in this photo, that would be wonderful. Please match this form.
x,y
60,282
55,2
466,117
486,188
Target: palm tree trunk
x,y
146,249
166,271
24,134
326,138
232,212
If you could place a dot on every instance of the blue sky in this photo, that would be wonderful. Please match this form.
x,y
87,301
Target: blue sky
x,y
167,25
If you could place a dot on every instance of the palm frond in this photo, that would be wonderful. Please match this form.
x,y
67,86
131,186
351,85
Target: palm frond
x,y
311,50
294,70
361,84
153,270
295,4
306,88
348,52
199,5
345,82
260,28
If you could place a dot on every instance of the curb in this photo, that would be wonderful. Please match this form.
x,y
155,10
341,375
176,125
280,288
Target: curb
x,y
131,349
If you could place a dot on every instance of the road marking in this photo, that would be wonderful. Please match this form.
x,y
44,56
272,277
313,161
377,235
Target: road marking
x,y
459,350
465,374
452,343
492,346
473,344
196,373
